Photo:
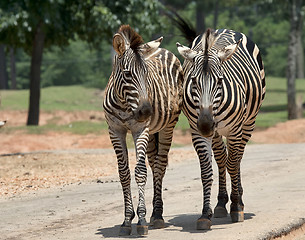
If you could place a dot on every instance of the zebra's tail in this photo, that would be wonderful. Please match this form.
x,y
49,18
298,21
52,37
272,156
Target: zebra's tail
x,y
185,27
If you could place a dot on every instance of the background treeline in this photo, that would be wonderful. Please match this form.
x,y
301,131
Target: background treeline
x,y
266,22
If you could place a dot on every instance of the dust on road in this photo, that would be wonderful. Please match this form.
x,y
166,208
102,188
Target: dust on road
x,y
274,192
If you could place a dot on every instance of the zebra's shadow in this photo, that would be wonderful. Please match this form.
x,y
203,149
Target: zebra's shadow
x,y
113,232
182,222
187,222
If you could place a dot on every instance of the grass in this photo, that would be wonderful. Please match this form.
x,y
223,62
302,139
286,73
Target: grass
x,y
78,127
69,98
76,98
274,108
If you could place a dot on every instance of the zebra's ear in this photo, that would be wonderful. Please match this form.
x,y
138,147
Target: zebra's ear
x,y
119,44
186,52
227,52
150,47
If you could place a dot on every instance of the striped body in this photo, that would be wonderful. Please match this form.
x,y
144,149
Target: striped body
x,y
143,97
223,91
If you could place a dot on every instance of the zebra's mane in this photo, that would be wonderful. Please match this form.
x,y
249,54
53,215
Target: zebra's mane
x,y
209,40
207,43
134,39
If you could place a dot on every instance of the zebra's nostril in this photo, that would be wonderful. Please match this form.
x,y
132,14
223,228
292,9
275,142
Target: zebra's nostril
x,y
205,123
143,112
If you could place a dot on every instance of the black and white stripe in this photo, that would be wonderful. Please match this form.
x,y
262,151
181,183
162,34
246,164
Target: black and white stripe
x,y
223,91
144,97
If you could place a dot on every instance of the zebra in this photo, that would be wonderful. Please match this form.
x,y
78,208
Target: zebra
x,y
143,96
223,90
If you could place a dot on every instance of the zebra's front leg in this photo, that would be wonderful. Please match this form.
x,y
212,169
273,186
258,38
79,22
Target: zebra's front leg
x,y
118,139
220,155
141,142
204,151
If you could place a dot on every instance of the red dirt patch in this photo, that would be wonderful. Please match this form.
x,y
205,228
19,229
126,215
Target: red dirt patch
x,y
19,141
287,132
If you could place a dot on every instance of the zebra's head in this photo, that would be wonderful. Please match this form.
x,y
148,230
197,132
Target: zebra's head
x,y
204,68
130,71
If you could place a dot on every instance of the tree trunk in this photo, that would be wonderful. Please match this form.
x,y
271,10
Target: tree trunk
x,y
3,70
13,68
37,51
200,17
300,51
295,12
215,20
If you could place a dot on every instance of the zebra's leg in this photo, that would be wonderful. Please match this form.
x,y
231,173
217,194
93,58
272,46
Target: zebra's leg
x,y
240,190
247,130
152,150
220,155
204,151
235,152
163,143
141,142
118,139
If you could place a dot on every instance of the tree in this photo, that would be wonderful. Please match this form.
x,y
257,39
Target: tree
x,y
13,68
3,71
35,25
295,8
300,57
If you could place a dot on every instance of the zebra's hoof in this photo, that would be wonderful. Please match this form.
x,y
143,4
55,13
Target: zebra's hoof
x,y
125,231
142,227
158,223
220,212
151,221
204,224
237,216
142,230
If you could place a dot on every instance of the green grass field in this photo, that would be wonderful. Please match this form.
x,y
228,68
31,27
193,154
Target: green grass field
x,y
70,98
76,98
274,108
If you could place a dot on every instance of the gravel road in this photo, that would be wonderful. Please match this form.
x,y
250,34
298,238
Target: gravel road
x,y
274,192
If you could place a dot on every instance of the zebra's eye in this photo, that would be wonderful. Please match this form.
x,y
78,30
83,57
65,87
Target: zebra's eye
x,y
220,79
193,80
127,74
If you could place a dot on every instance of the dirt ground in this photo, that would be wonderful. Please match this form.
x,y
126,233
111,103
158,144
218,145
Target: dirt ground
x,y
21,172
288,132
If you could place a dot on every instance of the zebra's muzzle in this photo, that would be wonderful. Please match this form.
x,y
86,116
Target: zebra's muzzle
x,y
143,112
205,123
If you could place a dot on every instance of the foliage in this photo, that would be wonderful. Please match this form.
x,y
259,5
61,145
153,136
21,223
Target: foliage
x,y
91,20
71,60
74,22
266,22
78,64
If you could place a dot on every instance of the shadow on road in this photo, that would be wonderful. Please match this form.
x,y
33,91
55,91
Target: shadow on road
x,y
188,222
183,222
113,232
